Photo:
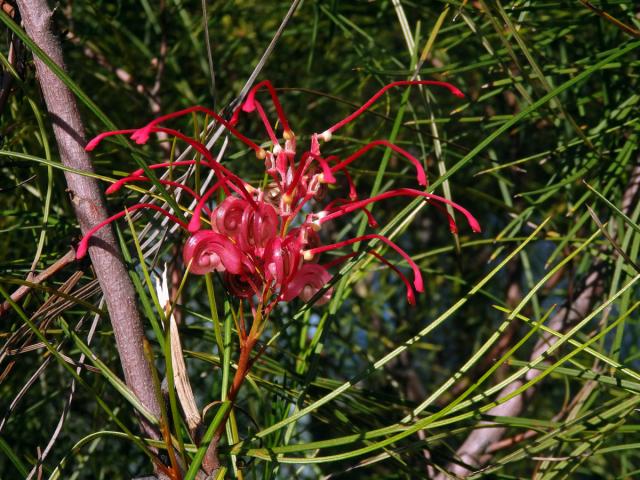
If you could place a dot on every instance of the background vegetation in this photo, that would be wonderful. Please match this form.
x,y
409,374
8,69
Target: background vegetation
x,y
543,151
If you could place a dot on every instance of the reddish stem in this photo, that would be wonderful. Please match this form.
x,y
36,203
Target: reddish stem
x,y
296,210
211,462
221,171
326,170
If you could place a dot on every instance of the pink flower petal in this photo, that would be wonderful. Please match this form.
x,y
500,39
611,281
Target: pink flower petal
x,y
208,251
308,281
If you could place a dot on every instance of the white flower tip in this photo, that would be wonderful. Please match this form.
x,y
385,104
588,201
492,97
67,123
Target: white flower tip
x,y
326,136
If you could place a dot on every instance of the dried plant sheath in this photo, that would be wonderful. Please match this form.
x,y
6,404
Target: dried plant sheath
x,y
90,208
180,374
181,379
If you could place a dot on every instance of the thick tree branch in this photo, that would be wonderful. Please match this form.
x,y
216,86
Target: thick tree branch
x,y
90,208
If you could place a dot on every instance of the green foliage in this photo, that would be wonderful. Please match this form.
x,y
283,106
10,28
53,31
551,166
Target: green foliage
x,y
368,386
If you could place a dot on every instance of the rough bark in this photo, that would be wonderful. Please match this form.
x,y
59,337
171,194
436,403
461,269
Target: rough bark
x,y
90,208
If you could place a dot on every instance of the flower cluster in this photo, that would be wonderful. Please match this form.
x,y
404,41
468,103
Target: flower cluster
x,y
265,240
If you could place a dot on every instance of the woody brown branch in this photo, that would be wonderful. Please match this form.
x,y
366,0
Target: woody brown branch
x,y
90,209
41,277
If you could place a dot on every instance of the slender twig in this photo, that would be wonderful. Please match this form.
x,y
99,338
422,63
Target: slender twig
x,y
59,264
628,29
53,306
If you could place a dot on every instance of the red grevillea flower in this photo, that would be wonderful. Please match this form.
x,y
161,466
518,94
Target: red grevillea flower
x,y
208,251
266,240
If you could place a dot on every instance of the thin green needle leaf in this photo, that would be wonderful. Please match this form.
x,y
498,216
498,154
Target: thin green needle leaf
x,y
532,108
387,358
221,414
